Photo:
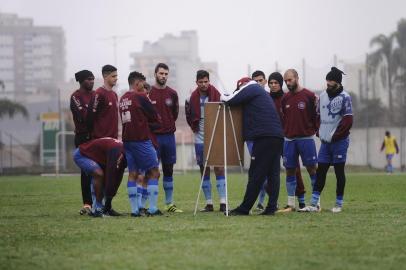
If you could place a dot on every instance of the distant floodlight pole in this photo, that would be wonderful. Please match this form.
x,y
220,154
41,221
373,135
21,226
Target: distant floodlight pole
x,y
115,39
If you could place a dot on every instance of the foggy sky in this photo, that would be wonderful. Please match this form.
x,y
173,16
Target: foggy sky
x,y
234,33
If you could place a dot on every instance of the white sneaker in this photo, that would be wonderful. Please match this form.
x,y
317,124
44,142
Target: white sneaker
x,y
310,208
337,209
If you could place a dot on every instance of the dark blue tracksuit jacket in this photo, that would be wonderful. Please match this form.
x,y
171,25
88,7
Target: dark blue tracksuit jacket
x,y
260,118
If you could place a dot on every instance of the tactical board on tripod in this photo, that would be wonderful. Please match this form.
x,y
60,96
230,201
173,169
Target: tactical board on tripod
x,y
216,157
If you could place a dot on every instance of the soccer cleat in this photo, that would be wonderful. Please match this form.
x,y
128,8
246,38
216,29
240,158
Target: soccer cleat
x,y
111,213
135,215
223,207
310,208
86,210
337,209
236,212
302,205
208,208
267,212
260,207
98,212
172,208
143,212
156,213
287,209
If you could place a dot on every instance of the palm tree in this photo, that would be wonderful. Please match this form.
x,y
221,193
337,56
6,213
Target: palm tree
x,y
10,108
400,58
384,53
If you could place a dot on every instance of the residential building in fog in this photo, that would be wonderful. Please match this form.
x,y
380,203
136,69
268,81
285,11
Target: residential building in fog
x,y
32,58
181,54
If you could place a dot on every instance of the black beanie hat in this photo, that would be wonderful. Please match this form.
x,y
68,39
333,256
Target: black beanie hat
x,y
277,77
83,75
335,75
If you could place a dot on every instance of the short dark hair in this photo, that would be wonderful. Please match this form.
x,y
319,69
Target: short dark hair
x,y
135,75
200,74
161,65
387,133
107,69
257,73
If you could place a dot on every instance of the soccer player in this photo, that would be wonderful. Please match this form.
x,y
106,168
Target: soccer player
x,y
335,123
259,77
138,117
275,83
104,160
300,125
391,147
102,120
79,102
261,125
194,107
165,101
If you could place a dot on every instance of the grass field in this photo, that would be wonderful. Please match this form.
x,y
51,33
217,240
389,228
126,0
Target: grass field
x,y
40,228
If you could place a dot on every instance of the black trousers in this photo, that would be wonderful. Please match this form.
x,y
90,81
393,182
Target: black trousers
x,y
265,164
85,180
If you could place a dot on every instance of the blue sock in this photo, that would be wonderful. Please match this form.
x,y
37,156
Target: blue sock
x,y
291,185
221,186
93,194
206,186
168,188
139,196
132,196
301,198
98,206
262,193
315,198
313,178
339,200
144,197
152,189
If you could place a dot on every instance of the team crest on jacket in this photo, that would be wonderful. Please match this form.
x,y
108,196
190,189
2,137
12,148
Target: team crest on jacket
x,y
301,105
168,102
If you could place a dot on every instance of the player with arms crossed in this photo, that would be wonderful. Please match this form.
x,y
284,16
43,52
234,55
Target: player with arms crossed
x,y
300,125
102,119
165,101
79,103
205,92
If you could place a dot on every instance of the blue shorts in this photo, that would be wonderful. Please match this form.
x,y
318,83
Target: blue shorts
x,y
85,164
335,152
199,149
166,148
305,148
389,156
141,156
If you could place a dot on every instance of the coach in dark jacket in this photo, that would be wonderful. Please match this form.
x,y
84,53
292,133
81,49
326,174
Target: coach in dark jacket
x,y
261,124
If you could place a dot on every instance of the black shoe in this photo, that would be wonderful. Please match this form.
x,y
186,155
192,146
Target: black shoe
x,y
143,212
237,212
135,215
156,213
111,213
267,212
223,207
302,205
260,207
98,213
207,208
